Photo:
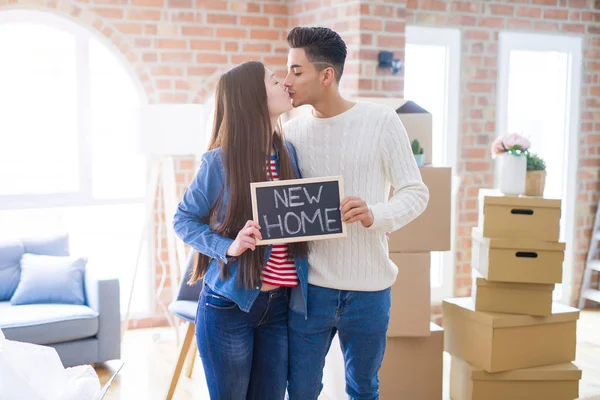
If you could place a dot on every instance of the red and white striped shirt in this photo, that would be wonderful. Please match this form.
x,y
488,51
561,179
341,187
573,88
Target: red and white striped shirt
x,y
280,269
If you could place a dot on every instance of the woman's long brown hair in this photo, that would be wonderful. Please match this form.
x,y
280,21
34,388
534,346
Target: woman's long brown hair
x,y
242,129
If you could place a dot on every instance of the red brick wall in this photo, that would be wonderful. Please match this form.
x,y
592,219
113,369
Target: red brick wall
x,y
174,45
481,23
381,26
178,47
367,27
341,16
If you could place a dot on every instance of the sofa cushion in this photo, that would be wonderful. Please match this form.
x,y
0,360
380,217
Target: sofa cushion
x,y
50,279
11,251
47,323
49,245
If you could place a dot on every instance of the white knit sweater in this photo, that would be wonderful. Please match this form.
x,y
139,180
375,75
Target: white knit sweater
x,y
368,146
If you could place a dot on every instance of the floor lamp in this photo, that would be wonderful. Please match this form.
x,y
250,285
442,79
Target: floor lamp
x,y
165,131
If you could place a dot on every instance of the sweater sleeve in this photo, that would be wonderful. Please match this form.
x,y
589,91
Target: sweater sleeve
x,y
410,196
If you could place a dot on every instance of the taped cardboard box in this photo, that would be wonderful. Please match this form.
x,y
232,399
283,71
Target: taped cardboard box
x,y
533,218
410,314
412,367
498,342
511,298
554,382
417,121
430,231
517,260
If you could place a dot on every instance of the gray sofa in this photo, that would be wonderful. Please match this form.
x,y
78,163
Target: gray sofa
x,y
81,334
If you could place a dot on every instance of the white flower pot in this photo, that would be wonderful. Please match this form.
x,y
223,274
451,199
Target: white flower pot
x,y
513,173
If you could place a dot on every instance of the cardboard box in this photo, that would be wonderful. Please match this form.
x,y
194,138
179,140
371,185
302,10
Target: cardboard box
x,y
533,218
554,382
412,367
411,295
511,298
418,236
517,260
417,121
498,342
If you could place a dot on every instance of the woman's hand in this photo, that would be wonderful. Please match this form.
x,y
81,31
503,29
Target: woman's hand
x,y
246,239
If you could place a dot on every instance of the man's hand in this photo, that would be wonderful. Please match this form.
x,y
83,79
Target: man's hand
x,y
355,209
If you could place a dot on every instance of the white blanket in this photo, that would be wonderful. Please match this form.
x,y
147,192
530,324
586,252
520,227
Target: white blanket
x,y
34,372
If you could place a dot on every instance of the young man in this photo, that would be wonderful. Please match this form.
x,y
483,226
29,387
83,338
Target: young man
x,y
349,278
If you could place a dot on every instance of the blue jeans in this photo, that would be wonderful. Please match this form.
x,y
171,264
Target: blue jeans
x,y
361,320
245,355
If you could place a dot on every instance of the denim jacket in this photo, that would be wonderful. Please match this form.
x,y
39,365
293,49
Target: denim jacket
x,y
192,225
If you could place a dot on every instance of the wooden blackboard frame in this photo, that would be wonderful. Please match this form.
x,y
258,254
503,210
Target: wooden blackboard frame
x,y
288,182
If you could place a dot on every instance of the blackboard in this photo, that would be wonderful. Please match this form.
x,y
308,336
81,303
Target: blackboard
x,y
298,210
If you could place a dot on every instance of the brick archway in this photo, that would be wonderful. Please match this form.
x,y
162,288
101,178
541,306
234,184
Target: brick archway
x,y
208,86
93,22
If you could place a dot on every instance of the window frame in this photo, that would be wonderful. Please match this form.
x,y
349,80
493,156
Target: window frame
x,y
451,39
84,196
572,45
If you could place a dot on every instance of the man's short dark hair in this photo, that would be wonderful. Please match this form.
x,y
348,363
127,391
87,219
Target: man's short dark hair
x,y
323,47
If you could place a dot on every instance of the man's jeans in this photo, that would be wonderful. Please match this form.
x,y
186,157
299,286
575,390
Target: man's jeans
x,y
245,355
361,321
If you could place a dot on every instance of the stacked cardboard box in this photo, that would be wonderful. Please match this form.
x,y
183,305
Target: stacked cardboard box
x,y
509,340
412,365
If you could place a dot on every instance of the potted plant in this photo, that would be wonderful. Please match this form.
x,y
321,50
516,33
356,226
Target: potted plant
x,y
418,152
536,175
512,151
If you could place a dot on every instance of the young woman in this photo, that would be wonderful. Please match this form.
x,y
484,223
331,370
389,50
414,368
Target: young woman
x,y
241,321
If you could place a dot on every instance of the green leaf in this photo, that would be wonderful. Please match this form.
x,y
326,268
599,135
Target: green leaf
x,y
416,147
535,162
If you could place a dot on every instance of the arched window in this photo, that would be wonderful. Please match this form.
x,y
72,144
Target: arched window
x,y
67,148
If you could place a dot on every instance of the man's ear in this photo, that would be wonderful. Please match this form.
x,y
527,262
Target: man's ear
x,y
328,76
